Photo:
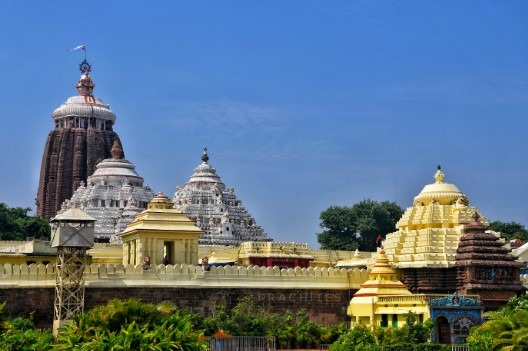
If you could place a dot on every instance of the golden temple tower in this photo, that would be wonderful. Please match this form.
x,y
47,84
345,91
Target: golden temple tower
x,y
424,247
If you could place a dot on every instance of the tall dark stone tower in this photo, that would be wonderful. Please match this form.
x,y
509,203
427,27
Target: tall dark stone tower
x,y
82,137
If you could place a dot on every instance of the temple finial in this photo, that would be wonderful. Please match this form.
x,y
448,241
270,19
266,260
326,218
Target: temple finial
x,y
85,85
117,151
205,157
439,175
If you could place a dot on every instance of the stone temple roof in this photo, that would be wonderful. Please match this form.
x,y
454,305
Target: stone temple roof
x,y
114,195
85,104
115,170
428,233
481,248
205,175
217,211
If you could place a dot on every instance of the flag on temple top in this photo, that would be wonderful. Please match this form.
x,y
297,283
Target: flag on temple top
x,y
78,48
378,239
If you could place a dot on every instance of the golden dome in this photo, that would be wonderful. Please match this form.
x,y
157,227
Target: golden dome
x,y
439,192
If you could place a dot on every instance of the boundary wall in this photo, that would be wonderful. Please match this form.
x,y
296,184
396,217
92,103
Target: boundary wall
x,y
323,292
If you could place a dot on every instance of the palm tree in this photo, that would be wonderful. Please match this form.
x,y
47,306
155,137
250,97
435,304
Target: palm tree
x,y
508,330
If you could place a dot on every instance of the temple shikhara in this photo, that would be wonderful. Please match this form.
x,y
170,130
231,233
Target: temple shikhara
x,y
114,195
83,136
424,247
216,210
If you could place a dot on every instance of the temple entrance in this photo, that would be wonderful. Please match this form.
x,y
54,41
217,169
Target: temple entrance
x,y
168,252
443,331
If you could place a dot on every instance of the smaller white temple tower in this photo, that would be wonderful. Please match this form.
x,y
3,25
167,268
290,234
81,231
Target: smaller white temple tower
x,y
72,233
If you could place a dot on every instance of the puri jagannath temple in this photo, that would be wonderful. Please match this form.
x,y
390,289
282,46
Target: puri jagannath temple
x,y
440,258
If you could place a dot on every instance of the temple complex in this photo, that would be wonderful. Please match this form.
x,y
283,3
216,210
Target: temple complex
x,y
160,235
484,266
424,247
383,300
114,195
217,211
83,136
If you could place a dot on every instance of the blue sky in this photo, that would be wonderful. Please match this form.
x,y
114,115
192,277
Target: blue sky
x,y
302,104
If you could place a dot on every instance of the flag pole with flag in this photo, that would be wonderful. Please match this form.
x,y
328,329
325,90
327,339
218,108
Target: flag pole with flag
x,y
80,48
378,240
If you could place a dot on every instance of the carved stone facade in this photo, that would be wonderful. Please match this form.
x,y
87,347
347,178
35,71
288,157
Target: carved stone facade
x,y
113,195
83,136
485,267
217,211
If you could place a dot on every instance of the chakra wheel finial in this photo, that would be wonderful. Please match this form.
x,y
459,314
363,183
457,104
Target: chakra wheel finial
x,y
85,67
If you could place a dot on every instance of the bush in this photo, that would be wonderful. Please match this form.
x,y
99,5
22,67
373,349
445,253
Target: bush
x,y
357,337
131,325
20,334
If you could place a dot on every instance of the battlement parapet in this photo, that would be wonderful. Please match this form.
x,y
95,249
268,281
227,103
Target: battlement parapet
x,y
109,275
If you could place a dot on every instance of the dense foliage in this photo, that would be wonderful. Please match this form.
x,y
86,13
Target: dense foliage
x,y
248,319
510,230
358,226
16,224
131,325
506,330
20,334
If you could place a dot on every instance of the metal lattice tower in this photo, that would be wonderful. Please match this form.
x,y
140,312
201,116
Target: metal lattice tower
x,y
72,233
69,283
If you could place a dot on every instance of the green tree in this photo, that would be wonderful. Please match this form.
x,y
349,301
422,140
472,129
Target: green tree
x,y
510,230
16,224
358,226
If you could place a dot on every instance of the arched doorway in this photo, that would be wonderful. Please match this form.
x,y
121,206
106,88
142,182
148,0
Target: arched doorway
x,y
442,330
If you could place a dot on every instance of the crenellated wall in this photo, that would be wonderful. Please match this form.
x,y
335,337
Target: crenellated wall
x,y
190,276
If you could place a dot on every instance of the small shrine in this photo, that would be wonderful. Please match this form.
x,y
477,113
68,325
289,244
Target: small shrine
x,y
453,316
383,300
160,235
485,267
